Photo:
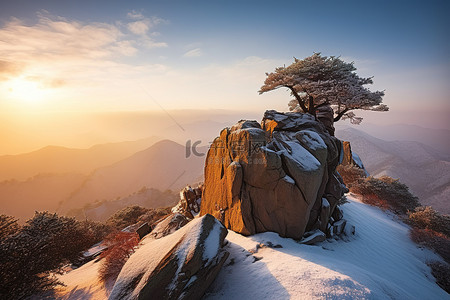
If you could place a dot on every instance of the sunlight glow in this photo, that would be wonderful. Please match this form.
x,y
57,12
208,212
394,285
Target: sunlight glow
x,y
26,90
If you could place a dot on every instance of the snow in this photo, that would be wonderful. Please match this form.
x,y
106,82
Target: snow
x,y
94,249
312,140
303,157
289,179
151,252
212,243
325,202
83,283
378,262
313,236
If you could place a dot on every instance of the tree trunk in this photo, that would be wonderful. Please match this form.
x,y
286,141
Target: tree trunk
x,y
298,98
311,108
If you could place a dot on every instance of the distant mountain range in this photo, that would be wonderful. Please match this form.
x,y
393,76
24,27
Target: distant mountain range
x,y
438,139
55,159
425,170
161,166
145,197
39,193
63,179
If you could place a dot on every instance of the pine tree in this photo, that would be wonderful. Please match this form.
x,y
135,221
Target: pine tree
x,y
30,255
318,81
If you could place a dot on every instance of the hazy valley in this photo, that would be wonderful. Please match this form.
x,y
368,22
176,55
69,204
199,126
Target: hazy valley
x,y
62,179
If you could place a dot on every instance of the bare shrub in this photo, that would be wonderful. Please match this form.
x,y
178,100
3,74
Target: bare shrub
x,y
8,226
120,247
433,240
388,192
375,200
351,175
154,215
440,271
126,217
426,217
97,230
31,254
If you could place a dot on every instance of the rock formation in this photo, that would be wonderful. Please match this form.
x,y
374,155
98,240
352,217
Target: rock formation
x,y
168,225
189,204
275,176
325,115
180,265
350,158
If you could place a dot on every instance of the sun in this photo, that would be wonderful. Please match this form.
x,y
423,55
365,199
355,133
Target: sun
x,y
26,90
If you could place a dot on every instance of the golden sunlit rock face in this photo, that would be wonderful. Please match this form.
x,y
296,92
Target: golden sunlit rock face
x,y
274,176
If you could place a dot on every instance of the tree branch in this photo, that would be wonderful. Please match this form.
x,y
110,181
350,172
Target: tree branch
x,y
298,98
339,116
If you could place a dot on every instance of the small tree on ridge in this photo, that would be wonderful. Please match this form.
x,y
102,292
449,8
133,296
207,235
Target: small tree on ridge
x,y
318,81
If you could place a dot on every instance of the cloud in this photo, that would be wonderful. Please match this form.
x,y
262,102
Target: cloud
x,y
142,24
135,15
150,43
47,82
138,27
70,50
193,53
101,66
9,69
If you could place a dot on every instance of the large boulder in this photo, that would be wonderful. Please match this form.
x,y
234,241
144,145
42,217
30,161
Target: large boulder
x,y
178,266
272,177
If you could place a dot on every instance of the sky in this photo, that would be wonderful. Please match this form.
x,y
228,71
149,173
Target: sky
x,y
61,60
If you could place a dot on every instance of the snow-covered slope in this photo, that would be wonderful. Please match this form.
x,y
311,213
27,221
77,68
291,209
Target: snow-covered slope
x,y
378,262
83,283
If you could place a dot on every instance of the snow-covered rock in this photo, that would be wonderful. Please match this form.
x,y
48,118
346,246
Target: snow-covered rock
x,y
273,176
315,237
168,225
178,266
351,158
338,227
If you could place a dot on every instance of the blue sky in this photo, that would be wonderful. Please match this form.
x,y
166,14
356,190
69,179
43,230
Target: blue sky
x,y
213,54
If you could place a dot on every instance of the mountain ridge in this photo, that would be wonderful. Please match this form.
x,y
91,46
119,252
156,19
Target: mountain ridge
x,y
145,168
423,169
59,159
